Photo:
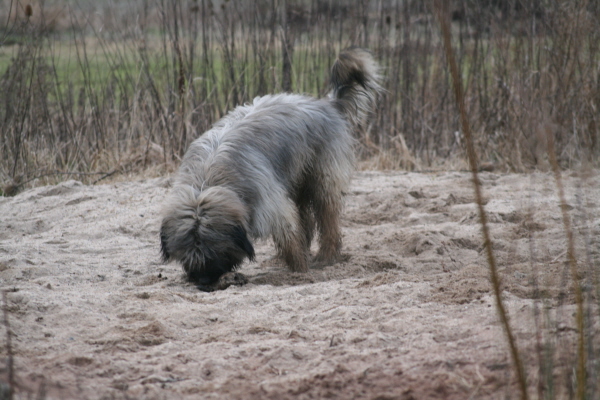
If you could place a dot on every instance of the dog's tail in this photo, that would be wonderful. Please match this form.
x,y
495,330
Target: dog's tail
x,y
355,84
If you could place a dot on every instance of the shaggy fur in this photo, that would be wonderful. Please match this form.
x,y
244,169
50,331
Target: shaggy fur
x,y
276,167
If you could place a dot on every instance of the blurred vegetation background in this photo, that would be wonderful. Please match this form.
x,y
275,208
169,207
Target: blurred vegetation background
x,y
89,89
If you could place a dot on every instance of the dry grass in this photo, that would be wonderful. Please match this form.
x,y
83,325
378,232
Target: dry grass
x,y
443,16
82,90
580,384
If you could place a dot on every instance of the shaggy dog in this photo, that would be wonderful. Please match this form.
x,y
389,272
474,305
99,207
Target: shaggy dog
x,y
277,167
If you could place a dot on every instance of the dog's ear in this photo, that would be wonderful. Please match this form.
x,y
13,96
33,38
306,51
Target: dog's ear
x,y
163,245
240,238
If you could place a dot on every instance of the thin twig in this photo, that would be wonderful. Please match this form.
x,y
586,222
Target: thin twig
x,y
457,84
50,173
106,175
10,366
564,208
555,259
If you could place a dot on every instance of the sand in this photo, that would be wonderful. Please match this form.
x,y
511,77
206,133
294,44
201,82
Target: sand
x,y
408,314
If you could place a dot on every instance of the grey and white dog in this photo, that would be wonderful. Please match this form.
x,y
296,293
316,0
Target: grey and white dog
x,y
277,167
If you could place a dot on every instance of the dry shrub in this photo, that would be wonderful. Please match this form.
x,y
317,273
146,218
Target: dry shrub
x,y
84,87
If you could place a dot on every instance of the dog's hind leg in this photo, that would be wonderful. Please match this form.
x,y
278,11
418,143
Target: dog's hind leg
x,y
307,220
327,207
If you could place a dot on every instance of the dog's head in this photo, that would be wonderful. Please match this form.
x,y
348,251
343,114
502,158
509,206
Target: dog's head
x,y
206,232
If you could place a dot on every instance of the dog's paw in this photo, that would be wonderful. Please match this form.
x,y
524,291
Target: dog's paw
x,y
231,278
224,281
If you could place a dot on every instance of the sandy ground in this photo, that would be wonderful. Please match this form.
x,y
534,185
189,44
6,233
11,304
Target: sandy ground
x,y
409,314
